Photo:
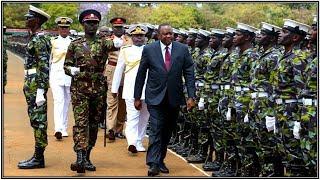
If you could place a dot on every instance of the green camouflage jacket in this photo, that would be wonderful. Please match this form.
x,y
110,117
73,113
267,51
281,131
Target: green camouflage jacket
x,y
287,77
214,66
242,67
90,56
260,72
37,56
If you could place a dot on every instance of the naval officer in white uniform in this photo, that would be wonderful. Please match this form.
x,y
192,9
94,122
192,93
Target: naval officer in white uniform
x,y
59,81
128,63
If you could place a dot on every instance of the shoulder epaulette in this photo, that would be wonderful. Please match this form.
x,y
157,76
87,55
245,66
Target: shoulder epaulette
x,y
126,46
76,39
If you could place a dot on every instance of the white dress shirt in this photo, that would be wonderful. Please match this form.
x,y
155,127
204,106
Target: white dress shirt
x,y
163,50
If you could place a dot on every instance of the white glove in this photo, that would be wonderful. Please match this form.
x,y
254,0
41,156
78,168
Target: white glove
x,y
74,70
246,118
270,123
228,114
40,97
201,104
118,42
296,129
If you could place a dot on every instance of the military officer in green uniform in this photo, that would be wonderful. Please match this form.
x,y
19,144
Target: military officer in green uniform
x,y
85,61
36,84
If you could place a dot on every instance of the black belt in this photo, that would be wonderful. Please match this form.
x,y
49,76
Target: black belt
x,y
90,69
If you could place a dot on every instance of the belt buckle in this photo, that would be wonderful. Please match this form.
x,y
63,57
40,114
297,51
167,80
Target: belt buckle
x,y
254,95
307,102
237,88
200,84
279,101
227,87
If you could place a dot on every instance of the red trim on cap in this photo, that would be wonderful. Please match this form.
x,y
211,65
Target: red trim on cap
x,y
90,17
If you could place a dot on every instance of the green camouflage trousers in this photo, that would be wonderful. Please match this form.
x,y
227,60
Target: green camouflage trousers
x,y
259,108
247,132
309,138
37,115
290,147
87,110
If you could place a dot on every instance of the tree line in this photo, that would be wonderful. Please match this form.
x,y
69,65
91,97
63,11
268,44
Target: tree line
x,y
180,15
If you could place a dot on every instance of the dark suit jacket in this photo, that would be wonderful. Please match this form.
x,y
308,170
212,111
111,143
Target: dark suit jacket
x,y
159,80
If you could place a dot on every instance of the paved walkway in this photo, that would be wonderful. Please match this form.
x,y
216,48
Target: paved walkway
x,y
18,142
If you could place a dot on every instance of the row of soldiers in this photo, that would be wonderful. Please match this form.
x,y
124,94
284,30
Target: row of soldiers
x,y
257,101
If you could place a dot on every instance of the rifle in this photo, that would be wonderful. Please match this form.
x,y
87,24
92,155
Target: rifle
x,y
105,120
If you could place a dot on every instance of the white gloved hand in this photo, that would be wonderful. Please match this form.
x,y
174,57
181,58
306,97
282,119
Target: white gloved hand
x,y
201,104
118,42
228,114
296,130
270,123
40,97
246,118
74,70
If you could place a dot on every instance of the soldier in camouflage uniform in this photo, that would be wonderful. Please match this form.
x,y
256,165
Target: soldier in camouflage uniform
x,y
287,79
240,80
211,94
199,134
308,107
36,84
182,36
85,60
262,103
228,167
192,35
5,60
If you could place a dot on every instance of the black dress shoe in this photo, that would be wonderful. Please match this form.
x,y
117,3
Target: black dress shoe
x,y
163,168
58,135
153,170
132,149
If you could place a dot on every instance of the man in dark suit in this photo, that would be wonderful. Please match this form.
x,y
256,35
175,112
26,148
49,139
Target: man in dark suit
x,y
166,61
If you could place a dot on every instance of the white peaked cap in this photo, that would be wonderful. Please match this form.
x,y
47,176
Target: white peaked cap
x,y
39,11
218,31
204,32
269,27
230,30
291,23
246,27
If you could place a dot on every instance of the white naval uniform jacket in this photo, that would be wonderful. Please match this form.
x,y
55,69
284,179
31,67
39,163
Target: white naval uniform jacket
x,y
57,57
128,63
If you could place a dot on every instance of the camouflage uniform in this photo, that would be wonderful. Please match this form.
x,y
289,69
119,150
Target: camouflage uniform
x,y
5,61
212,96
288,77
37,57
262,105
200,135
240,80
308,117
87,87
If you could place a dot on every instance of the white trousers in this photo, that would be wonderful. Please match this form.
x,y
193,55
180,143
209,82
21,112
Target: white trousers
x,y
136,123
61,101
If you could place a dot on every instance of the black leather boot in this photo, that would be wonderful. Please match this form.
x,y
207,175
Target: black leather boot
x,y
88,165
79,165
36,161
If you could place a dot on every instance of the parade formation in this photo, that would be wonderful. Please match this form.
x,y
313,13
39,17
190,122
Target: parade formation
x,y
241,101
